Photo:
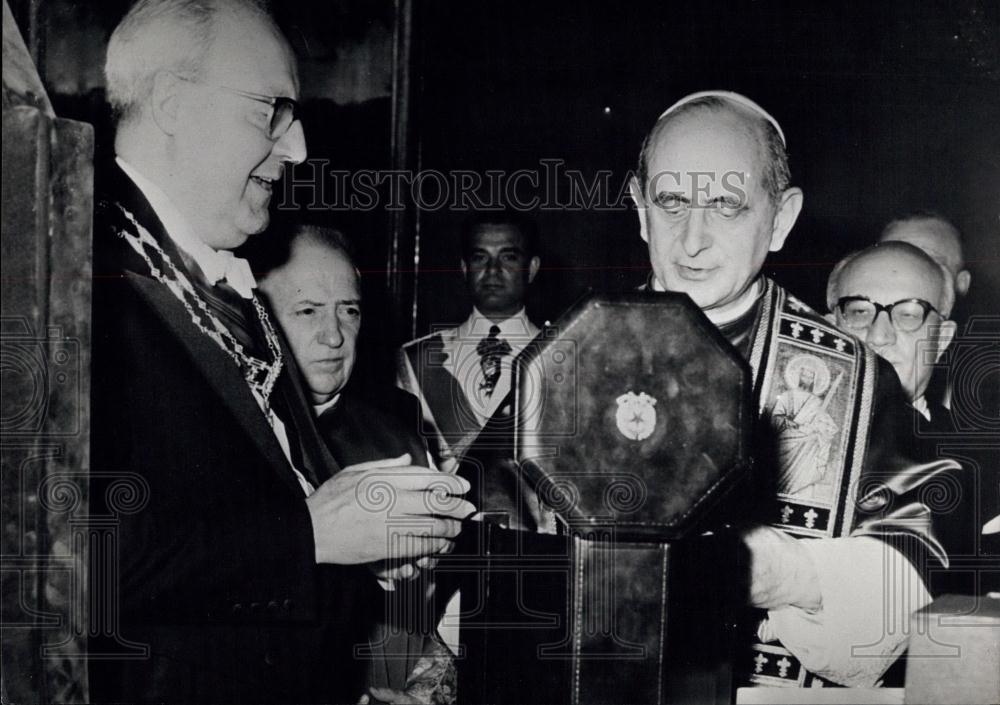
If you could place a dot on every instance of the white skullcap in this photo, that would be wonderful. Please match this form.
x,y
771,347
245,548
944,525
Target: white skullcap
x,y
730,96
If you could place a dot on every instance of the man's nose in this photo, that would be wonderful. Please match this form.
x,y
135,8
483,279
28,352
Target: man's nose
x,y
330,334
694,239
881,332
291,146
494,266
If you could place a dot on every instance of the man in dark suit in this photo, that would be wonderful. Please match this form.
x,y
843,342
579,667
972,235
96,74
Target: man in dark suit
x,y
916,292
313,286
237,573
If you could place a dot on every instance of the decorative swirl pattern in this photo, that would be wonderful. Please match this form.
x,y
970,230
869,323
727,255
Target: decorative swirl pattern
x,y
60,494
128,494
873,495
974,376
941,493
26,383
437,498
376,494
625,494
559,493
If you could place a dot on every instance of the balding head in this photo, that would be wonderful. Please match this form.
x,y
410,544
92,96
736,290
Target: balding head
x,y
773,159
937,237
715,199
920,293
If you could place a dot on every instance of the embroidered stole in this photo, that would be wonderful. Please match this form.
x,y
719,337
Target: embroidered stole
x,y
814,387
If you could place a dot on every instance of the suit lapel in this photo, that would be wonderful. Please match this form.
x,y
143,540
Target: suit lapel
x,y
218,370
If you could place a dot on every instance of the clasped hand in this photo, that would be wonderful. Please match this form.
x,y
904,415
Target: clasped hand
x,y
386,510
781,571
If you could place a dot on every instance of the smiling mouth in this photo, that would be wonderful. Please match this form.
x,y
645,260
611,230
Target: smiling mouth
x,y
263,182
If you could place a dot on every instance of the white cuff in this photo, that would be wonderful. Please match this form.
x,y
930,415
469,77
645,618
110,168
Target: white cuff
x,y
869,591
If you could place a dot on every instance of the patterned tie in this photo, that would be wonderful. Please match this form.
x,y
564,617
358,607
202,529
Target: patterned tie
x,y
240,317
491,350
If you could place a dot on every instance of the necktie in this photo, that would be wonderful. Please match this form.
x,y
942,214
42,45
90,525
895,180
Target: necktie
x,y
240,317
491,350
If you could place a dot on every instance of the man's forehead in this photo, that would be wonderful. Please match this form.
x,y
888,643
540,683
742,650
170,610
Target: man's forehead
x,y
715,142
250,53
497,235
312,269
891,275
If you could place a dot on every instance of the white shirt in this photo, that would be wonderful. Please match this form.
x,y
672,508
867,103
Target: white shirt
x,y
216,265
463,361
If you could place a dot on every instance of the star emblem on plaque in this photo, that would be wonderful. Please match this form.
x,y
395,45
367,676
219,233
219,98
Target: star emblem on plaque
x,y
636,415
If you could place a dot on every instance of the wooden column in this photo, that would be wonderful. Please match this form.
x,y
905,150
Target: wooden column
x,y
45,359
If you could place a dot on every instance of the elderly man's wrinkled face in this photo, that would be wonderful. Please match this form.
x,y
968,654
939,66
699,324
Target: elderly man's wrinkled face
x,y
707,217
317,299
886,277
498,270
226,165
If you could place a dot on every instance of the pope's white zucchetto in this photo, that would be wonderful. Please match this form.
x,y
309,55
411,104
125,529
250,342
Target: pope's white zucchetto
x,y
741,100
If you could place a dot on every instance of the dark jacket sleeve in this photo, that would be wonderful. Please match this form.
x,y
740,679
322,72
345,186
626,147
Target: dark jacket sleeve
x,y
211,533
916,499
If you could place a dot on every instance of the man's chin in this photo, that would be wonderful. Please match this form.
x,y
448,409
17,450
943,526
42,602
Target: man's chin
x,y
703,296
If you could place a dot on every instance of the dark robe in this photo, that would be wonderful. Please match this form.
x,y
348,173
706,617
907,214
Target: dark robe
x,y
358,430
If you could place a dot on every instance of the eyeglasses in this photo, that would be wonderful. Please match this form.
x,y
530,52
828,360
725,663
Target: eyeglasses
x,y
906,316
282,109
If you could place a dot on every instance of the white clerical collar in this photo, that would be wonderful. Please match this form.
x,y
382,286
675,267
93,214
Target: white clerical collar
x,y
731,311
920,404
216,265
318,409
478,325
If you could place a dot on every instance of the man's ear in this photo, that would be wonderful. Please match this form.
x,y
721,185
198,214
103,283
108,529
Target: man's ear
x,y
962,282
788,211
165,101
945,334
533,267
635,190
465,268
830,318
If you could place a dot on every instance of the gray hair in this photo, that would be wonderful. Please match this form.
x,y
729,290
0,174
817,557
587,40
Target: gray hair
x,y
274,251
947,280
776,175
162,35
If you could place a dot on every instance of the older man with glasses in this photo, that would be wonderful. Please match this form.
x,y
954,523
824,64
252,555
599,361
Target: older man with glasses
x,y
897,299
238,571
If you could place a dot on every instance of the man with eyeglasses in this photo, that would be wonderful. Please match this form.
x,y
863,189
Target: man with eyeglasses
x,y
897,299
239,569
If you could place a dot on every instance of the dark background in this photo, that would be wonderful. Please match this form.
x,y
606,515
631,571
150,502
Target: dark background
x,y
888,107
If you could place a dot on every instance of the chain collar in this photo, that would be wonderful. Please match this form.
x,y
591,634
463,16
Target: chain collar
x,y
260,375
